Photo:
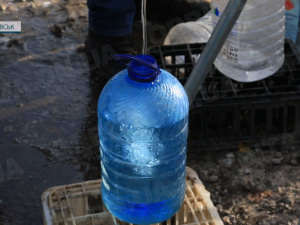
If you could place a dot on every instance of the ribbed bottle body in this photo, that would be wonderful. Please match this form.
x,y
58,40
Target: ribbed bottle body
x,y
254,49
143,131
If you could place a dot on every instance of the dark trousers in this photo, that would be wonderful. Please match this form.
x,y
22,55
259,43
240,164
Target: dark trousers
x,y
111,17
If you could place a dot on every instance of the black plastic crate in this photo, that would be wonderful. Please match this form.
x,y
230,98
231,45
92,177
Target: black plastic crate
x,y
226,112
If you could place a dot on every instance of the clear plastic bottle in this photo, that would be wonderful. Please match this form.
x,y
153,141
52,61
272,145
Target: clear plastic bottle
x,y
254,49
143,128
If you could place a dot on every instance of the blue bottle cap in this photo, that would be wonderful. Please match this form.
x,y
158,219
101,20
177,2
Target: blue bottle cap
x,y
142,68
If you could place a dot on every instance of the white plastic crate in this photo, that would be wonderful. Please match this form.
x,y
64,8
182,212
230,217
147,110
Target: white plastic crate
x,y
81,204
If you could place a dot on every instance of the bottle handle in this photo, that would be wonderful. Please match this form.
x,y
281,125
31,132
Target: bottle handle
x,y
120,57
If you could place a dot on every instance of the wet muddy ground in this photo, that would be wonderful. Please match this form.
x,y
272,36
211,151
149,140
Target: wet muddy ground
x,y
44,94
48,127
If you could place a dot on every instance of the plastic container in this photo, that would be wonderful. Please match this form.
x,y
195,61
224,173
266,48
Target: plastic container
x,y
254,49
80,204
226,112
198,31
292,19
143,127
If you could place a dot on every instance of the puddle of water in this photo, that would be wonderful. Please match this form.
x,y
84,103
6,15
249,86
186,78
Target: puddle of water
x,y
37,24
49,44
25,173
3,42
45,98
44,123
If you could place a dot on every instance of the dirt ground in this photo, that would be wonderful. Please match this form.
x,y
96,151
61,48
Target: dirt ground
x,y
249,185
256,186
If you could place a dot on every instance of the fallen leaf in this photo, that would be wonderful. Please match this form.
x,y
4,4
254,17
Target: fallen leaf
x,y
243,147
259,196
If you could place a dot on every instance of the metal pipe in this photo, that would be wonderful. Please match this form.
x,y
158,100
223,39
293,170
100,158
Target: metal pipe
x,y
213,47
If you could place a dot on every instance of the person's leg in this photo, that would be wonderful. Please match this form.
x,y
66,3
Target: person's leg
x,y
110,27
111,17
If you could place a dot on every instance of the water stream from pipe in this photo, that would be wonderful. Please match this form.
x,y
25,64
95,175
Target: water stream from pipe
x,y
144,24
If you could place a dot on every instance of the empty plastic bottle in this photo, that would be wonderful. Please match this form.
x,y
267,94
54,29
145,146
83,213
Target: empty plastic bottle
x,y
143,128
254,49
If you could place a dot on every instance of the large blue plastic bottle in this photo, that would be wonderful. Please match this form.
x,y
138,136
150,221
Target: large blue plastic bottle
x,y
143,128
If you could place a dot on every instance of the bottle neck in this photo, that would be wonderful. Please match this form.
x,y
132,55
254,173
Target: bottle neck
x,y
143,68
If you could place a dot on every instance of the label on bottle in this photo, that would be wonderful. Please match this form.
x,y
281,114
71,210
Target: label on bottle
x,y
230,49
291,19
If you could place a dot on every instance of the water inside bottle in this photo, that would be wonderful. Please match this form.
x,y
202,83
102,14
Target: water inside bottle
x,y
143,135
254,48
145,192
